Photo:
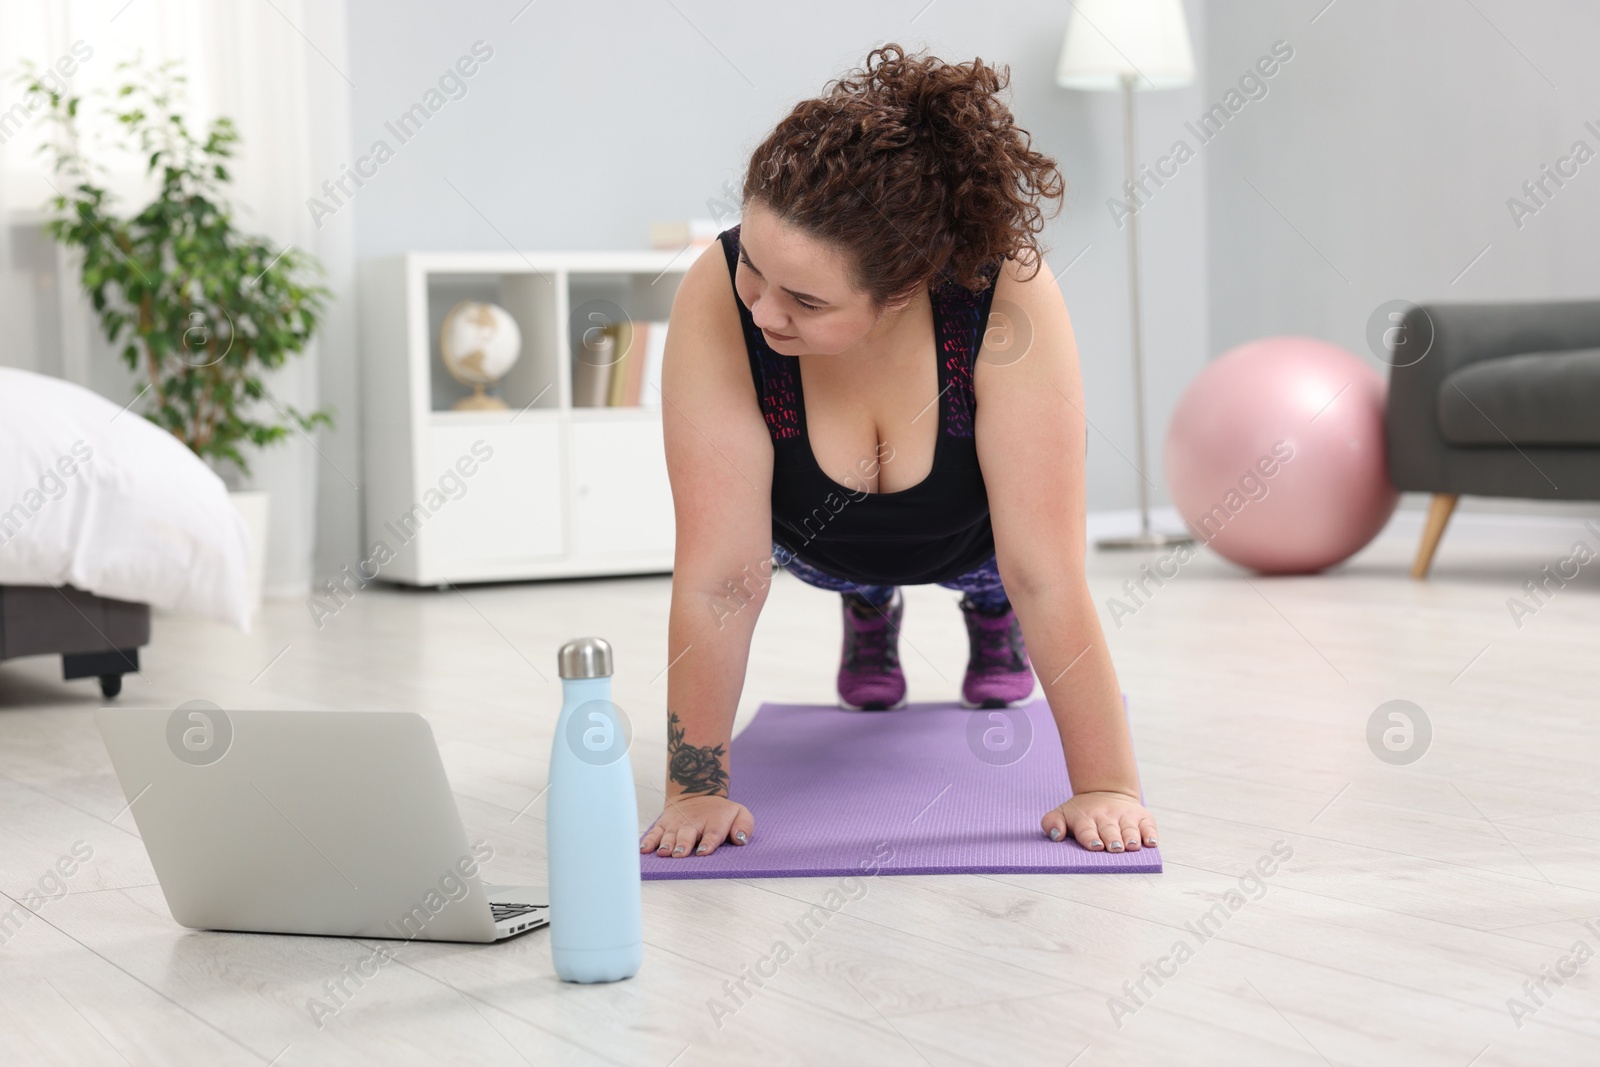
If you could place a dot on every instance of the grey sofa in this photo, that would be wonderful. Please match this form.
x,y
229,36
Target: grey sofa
x,y
1497,400
95,637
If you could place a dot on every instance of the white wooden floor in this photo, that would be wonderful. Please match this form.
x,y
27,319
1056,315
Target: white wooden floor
x,y
1418,899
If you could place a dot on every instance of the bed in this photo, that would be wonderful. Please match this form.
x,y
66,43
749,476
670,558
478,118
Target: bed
x,y
95,636
104,516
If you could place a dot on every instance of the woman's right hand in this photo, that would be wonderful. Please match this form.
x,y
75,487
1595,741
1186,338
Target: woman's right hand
x,y
709,819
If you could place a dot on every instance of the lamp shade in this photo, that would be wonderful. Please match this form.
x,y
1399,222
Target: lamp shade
x,y
1107,40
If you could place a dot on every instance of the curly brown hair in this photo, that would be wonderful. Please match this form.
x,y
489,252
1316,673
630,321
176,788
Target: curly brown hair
x,y
915,167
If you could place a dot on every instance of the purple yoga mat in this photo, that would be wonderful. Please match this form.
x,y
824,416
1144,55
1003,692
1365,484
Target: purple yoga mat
x,y
928,789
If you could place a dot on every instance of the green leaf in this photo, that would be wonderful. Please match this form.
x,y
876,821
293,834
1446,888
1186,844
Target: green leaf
x,y
150,272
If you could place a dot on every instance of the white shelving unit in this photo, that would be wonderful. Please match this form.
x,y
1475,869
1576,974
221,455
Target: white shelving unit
x,y
564,491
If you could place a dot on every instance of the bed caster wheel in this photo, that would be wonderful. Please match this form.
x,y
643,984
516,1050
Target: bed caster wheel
x,y
110,685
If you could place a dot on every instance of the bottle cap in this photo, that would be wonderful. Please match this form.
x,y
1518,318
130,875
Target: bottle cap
x,y
585,657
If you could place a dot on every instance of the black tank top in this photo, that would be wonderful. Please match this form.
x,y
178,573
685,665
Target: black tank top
x,y
933,531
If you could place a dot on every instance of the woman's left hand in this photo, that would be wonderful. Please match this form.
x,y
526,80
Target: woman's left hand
x,y
1102,821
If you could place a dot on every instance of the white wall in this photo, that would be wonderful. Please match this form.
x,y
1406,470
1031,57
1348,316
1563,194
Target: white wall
x,y
1392,142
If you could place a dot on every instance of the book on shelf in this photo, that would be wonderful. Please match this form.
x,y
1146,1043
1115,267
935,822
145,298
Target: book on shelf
x,y
683,233
655,350
623,369
591,371
633,366
624,333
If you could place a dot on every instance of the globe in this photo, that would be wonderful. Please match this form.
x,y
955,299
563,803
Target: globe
x,y
479,344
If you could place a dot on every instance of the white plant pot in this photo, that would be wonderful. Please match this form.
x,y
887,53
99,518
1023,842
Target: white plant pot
x,y
255,507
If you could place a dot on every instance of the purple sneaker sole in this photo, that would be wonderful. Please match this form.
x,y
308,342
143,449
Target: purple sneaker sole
x,y
990,699
873,705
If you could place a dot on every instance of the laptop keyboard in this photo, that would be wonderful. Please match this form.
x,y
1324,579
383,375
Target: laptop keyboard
x,y
503,912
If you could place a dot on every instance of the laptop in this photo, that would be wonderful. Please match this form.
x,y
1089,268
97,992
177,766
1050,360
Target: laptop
x,y
335,823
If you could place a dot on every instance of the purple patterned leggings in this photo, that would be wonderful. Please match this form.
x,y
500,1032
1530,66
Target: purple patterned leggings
x,y
981,584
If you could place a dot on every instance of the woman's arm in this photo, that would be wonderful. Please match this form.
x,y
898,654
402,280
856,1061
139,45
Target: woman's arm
x,y
719,460
1030,431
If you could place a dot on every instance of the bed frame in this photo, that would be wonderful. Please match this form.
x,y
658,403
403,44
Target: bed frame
x,y
95,637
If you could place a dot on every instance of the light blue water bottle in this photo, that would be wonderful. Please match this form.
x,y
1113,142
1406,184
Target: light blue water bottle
x,y
592,826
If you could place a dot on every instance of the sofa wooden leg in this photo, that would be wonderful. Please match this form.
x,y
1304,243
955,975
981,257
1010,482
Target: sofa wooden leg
x,y
1438,516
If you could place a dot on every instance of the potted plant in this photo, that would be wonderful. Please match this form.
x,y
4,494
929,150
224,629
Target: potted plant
x,y
199,308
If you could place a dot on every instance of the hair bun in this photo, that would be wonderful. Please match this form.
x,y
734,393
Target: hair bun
x,y
927,146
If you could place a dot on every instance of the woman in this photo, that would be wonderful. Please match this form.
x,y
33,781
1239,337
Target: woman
x,y
887,260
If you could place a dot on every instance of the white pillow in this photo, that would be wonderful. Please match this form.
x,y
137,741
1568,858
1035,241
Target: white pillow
x,y
102,499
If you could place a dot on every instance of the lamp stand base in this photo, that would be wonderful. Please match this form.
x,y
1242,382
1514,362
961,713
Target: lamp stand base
x,y
1144,541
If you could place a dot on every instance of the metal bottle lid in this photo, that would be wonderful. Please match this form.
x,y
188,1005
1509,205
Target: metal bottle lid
x,y
585,657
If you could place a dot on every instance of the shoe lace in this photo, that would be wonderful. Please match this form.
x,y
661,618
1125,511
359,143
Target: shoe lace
x,y
997,646
870,646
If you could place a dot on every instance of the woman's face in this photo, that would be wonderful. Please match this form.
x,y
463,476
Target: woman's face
x,y
798,290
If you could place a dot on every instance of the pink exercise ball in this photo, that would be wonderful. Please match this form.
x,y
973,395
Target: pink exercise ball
x,y
1275,455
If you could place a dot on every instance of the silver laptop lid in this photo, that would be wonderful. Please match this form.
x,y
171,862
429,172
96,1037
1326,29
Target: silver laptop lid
x,y
299,822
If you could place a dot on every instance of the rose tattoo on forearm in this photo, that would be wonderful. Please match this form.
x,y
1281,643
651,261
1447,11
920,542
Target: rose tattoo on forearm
x,y
697,768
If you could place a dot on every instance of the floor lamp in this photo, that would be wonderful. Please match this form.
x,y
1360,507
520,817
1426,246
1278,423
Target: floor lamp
x,y
1129,45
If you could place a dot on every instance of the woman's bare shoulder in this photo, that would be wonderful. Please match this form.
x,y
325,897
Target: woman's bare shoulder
x,y
1027,317
705,375
705,311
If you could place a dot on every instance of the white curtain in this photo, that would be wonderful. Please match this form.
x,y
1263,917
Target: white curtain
x,y
278,69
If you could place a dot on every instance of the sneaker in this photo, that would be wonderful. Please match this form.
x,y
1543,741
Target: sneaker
x,y
998,672
870,678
